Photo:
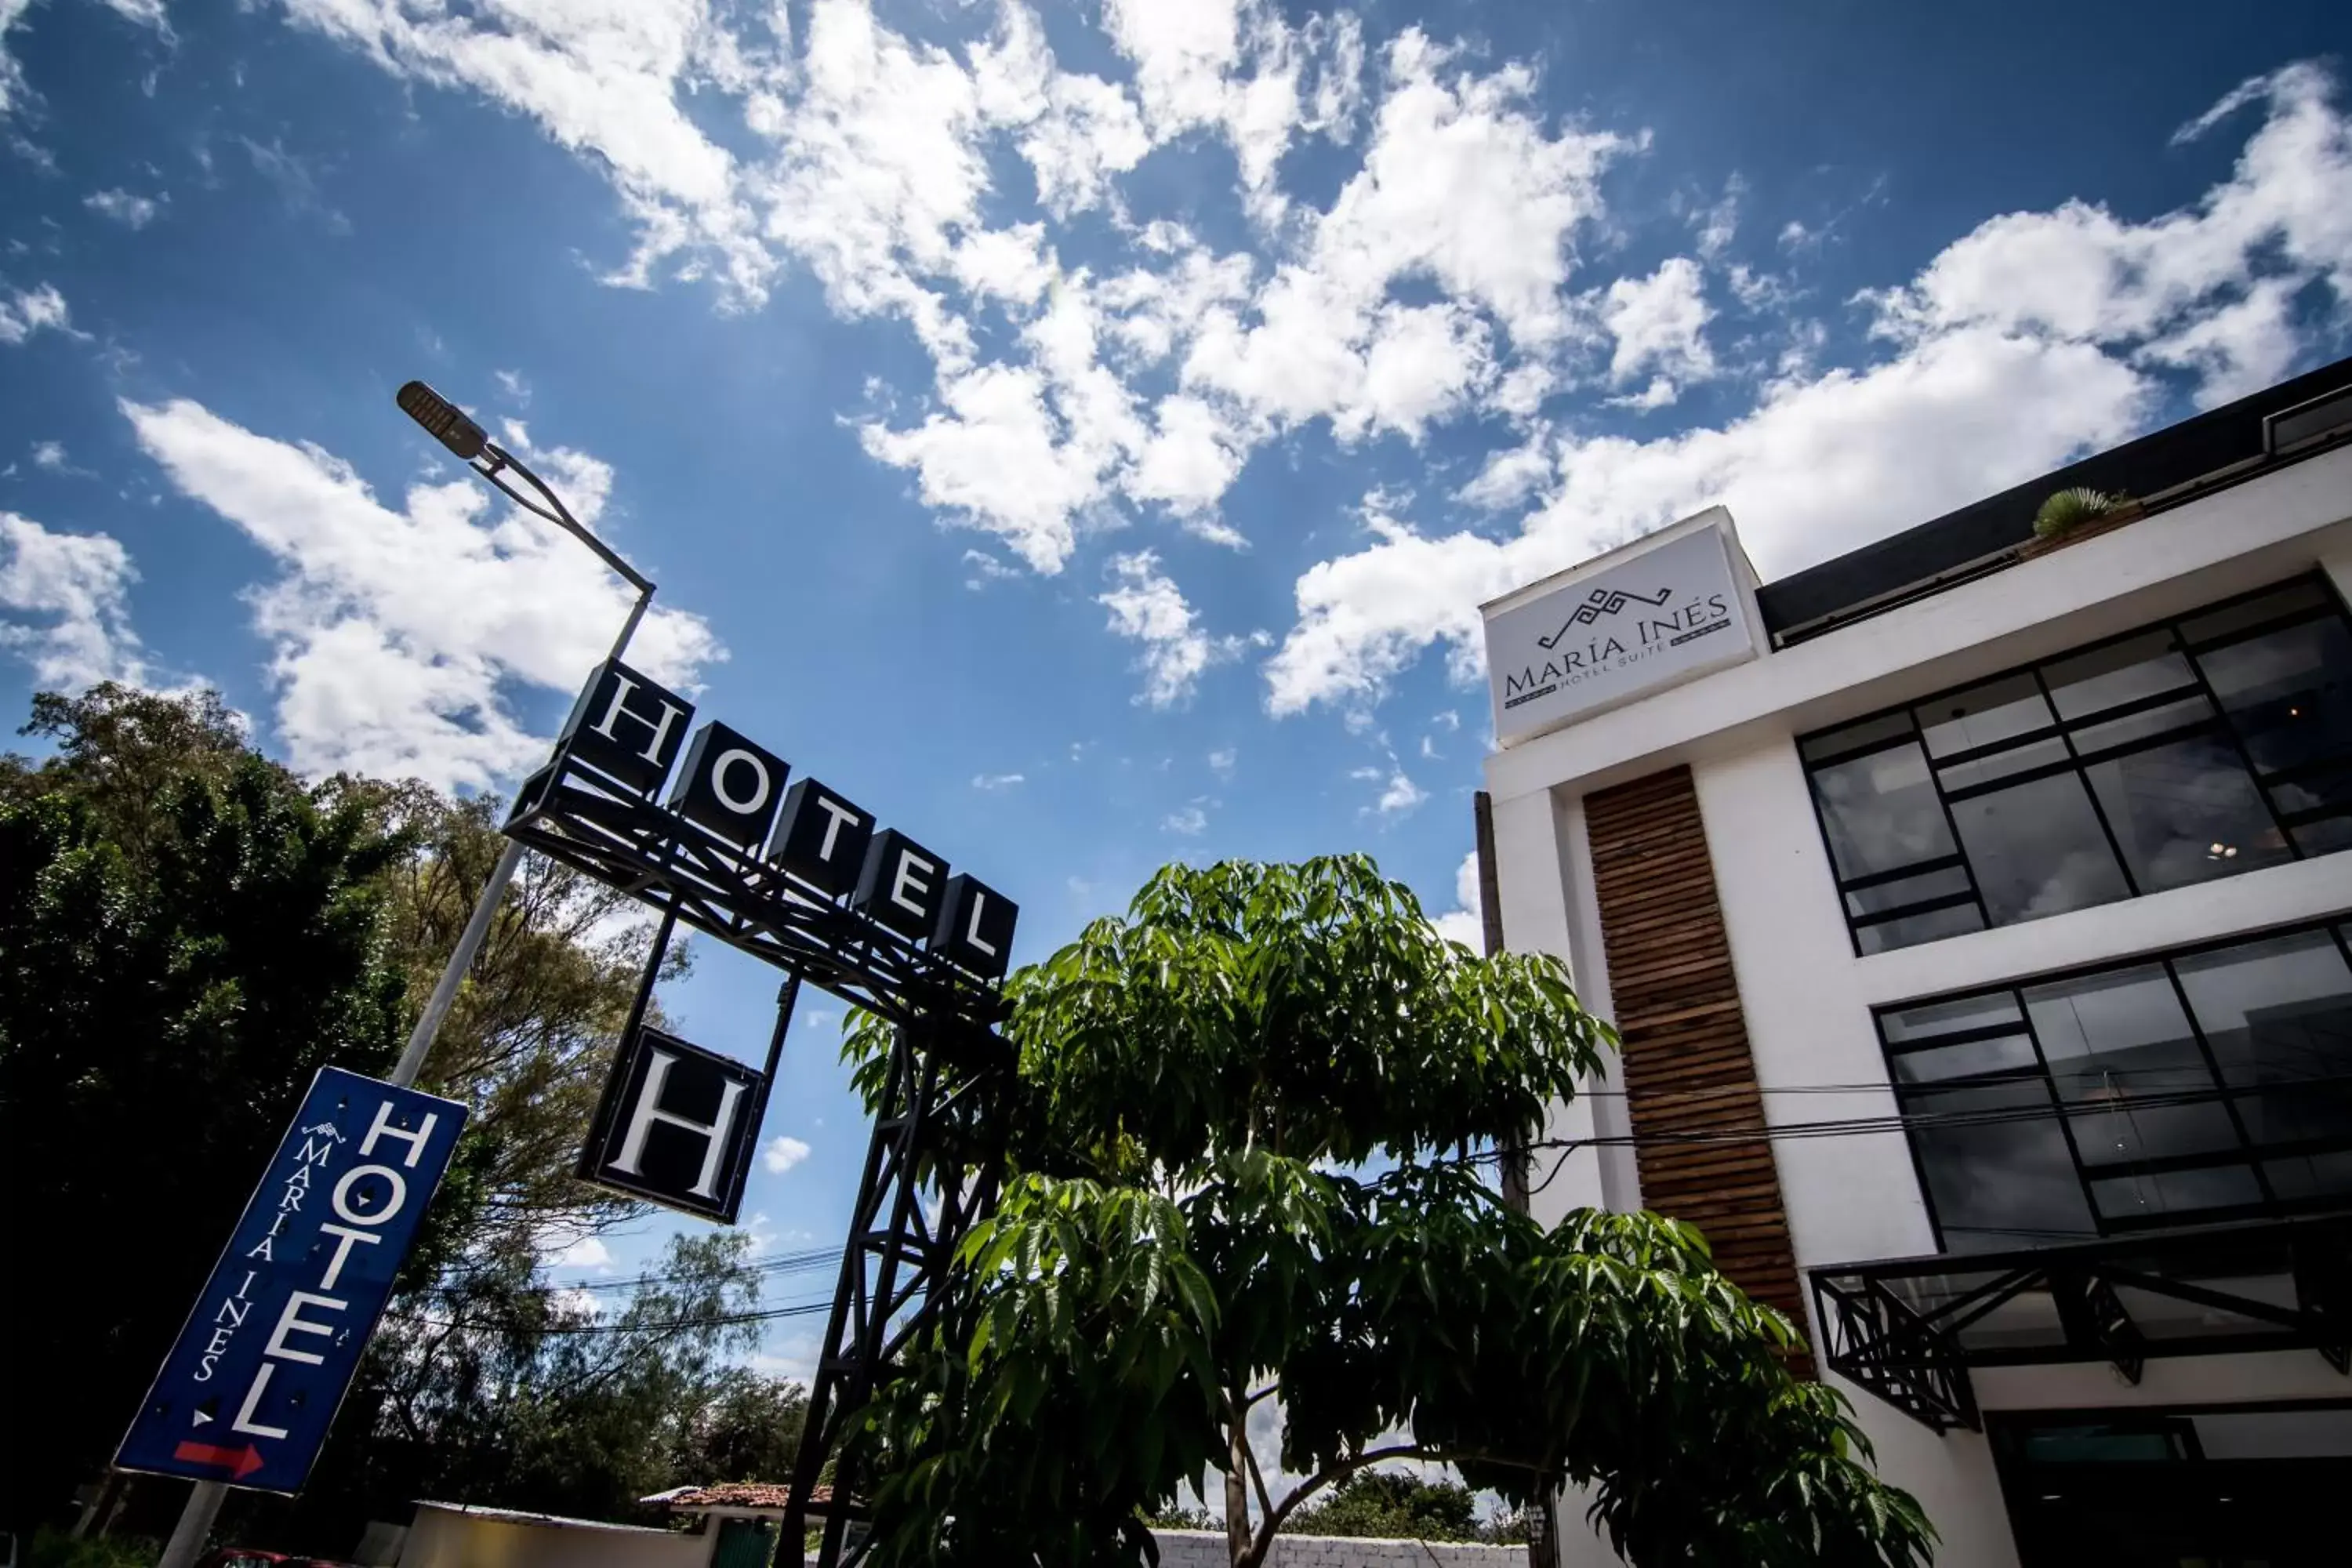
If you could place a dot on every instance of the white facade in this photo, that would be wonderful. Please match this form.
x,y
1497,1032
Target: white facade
x,y
1808,998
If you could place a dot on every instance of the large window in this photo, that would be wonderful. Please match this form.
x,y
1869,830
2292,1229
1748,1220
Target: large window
x,y
2204,1086
2210,745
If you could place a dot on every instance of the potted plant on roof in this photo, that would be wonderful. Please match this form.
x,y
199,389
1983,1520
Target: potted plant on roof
x,y
2077,514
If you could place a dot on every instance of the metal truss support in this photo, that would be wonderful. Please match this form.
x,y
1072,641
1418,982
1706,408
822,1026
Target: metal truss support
x,y
933,1162
922,1191
1915,1350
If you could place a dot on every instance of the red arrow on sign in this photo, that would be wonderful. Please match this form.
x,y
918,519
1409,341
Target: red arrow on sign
x,y
243,1461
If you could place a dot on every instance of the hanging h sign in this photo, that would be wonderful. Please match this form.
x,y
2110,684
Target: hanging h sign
x,y
678,1124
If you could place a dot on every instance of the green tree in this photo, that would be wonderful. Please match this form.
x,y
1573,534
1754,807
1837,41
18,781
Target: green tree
x,y
1386,1503
187,932
179,954
1245,1141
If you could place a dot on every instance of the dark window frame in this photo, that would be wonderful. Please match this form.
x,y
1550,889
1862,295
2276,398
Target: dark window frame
x,y
2249,1154
2215,721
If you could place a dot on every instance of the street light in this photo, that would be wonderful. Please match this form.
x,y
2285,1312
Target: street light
x,y
454,429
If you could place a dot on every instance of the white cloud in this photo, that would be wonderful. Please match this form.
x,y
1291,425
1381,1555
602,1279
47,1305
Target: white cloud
x,y
1463,923
29,311
782,1153
588,1252
49,455
1191,821
1221,762
76,589
394,633
1445,280
2020,345
1398,795
133,212
512,383
993,782
1660,325
1147,605
12,75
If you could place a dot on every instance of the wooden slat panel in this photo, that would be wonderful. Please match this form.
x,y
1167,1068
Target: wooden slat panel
x,y
1687,1068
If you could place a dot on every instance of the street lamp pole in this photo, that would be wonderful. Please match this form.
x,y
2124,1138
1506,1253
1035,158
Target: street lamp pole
x,y
450,425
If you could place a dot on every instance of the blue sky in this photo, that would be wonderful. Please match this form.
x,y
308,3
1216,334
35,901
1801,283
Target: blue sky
x,y
1082,434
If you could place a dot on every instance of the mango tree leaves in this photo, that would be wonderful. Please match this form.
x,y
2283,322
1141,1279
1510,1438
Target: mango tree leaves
x,y
1246,1137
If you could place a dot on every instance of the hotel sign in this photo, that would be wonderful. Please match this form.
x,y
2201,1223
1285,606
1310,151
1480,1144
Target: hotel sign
x,y
1649,621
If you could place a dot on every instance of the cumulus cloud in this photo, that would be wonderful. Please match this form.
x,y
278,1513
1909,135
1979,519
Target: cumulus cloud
x,y
1190,821
396,631
1146,605
68,597
782,1153
993,782
1449,276
119,206
29,311
2025,342
1659,323
1464,924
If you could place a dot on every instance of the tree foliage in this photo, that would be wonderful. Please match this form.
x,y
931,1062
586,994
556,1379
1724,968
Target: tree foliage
x,y
187,932
1246,1141
181,949
493,1388
1389,1505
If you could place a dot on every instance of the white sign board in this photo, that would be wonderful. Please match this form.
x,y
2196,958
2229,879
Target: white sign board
x,y
1651,621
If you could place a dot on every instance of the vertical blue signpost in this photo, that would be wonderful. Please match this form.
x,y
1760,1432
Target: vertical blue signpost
x,y
247,1393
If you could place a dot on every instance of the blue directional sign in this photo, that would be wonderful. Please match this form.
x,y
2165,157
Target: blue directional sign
x,y
249,1391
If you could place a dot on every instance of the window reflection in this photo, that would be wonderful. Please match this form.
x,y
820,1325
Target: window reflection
x,y
2037,849
2186,812
1880,812
1997,804
2202,1087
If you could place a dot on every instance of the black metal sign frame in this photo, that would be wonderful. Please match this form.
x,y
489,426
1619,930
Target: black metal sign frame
x,y
894,1277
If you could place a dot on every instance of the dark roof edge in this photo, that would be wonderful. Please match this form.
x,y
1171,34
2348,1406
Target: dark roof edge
x,y
1964,544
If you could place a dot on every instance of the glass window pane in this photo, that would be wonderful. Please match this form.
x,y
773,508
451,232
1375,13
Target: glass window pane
x,y
2278,1015
2289,693
1955,920
2176,1195
1984,1011
2320,788
2313,1178
2276,1011
1853,737
2304,594
2000,764
1880,812
1997,711
1908,891
2001,1183
2323,836
2186,812
2113,1040
2007,1054
2093,738
2037,850
2119,673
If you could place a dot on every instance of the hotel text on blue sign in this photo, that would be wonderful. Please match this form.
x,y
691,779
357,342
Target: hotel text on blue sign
x,y
249,1391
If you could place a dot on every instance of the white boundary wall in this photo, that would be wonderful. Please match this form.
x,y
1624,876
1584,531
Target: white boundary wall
x,y
1206,1549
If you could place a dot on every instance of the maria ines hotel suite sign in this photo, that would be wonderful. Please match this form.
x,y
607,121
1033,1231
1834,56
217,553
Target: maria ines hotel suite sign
x,y
1666,609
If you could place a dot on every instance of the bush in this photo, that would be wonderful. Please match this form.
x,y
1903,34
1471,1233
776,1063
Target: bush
x,y
55,1548
2068,509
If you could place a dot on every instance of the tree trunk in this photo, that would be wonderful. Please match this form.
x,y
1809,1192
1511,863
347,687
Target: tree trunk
x,y
1237,1530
